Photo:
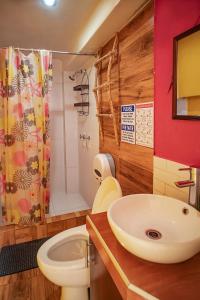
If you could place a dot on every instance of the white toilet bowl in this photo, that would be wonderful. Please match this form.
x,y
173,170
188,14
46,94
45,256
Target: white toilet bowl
x,y
63,259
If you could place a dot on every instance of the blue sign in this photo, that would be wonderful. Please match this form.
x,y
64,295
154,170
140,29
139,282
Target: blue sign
x,y
127,127
128,108
128,123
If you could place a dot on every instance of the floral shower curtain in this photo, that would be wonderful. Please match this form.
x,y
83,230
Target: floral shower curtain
x,y
25,84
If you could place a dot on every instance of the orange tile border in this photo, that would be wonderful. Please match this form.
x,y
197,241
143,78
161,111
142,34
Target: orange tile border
x,y
14,234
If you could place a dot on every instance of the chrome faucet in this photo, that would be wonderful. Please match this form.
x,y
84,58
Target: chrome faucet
x,y
194,186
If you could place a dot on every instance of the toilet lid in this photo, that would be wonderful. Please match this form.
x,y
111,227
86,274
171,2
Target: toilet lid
x,y
108,192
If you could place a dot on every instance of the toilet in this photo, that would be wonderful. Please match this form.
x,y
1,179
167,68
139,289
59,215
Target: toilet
x,y
64,258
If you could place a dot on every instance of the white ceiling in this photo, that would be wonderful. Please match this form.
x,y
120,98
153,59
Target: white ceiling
x,y
29,23
72,25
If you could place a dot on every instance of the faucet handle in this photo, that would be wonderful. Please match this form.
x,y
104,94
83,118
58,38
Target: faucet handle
x,y
184,183
185,169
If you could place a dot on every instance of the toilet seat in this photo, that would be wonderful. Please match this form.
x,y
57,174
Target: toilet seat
x,y
71,270
75,233
59,271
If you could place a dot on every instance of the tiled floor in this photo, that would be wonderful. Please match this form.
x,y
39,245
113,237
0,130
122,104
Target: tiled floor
x,y
62,203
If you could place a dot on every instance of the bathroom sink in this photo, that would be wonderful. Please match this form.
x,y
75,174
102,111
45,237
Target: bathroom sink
x,y
156,228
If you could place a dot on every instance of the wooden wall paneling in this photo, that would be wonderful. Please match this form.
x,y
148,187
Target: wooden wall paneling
x,y
107,110
141,156
134,163
39,231
14,234
7,235
23,234
133,178
55,227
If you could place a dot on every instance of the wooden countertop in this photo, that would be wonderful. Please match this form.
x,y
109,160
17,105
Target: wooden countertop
x,y
136,278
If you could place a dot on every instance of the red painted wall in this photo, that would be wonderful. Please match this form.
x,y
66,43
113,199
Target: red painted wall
x,y
177,140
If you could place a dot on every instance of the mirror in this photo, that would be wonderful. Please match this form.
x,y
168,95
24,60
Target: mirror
x,y
186,75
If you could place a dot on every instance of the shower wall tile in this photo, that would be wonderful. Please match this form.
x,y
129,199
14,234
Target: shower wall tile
x,y
57,152
87,151
72,180
58,181
72,154
71,122
56,102
68,89
57,71
57,166
71,135
56,126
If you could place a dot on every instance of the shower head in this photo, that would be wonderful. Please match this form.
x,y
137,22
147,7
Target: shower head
x,y
72,77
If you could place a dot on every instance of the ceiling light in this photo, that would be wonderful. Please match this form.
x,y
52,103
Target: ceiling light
x,y
49,2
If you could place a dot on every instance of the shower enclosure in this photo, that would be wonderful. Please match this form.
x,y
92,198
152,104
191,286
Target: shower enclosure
x,y
64,169
72,184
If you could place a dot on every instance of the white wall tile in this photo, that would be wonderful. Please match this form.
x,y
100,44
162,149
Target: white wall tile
x,y
176,193
57,166
158,185
88,126
165,174
71,136
56,102
159,163
173,167
56,125
57,152
72,155
77,156
72,180
57,179
57,71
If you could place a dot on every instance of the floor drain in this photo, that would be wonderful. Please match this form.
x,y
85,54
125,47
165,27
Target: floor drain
x,y
153,234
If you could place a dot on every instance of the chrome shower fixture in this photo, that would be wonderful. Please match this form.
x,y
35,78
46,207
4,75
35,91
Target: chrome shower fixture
x,y
73,76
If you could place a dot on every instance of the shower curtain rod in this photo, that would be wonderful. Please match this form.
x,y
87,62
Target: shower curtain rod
x,y
56,51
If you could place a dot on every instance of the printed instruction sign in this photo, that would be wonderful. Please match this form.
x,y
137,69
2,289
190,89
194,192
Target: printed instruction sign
x,y
144,124
128,123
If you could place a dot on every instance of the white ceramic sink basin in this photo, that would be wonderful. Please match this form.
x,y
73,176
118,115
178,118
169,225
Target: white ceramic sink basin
x,y
156,228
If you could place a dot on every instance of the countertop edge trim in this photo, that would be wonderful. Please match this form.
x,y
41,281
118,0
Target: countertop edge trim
x,y
129,285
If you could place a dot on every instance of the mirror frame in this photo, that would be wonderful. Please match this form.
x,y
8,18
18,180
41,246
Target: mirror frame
x,y
174,82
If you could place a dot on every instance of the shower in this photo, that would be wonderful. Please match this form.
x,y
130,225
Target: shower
x,y
75,74
30,169
65,192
